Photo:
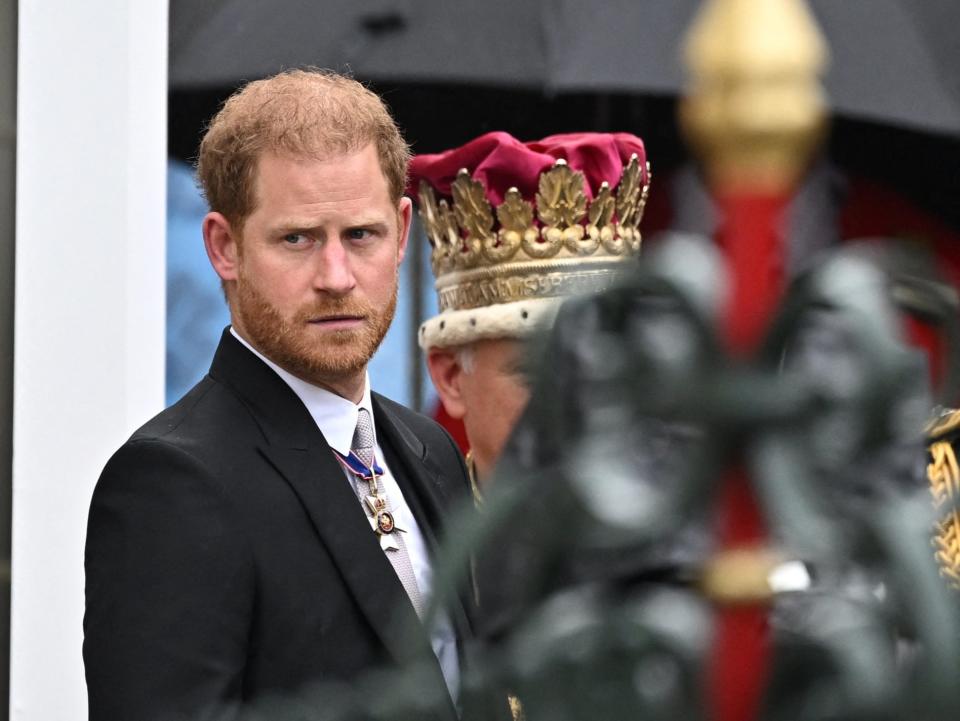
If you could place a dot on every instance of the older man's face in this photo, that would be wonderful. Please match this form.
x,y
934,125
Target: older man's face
x,y
489,396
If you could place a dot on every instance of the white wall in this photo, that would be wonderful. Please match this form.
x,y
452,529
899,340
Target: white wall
x,y
89,305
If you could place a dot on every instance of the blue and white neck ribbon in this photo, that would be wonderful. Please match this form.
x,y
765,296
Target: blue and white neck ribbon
x,y
381,520
357,467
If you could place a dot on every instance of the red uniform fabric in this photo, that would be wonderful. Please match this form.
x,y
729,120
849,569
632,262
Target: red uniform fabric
x,y
874,210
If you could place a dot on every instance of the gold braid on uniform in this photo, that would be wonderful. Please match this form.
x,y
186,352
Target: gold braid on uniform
x,y
516,708
472,475
943,473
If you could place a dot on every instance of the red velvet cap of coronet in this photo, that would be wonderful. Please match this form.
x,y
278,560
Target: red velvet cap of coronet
x,y
500,161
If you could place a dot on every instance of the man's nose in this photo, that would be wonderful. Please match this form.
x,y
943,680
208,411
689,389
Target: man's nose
x,y
334,271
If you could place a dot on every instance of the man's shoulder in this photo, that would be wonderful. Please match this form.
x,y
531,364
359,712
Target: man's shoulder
x,y
209,426
207,408
201,440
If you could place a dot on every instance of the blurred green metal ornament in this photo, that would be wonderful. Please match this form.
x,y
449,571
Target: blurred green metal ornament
x,y
831,414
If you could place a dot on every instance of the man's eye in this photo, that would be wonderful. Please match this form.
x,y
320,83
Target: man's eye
x,y
358,234
295,239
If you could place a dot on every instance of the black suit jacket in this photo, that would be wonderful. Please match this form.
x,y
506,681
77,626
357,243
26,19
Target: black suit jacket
x,y
228,561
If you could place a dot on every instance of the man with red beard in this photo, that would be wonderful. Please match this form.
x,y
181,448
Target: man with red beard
x,y
274,529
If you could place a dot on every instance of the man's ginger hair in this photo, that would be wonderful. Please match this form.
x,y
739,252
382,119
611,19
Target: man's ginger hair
x,y
298,113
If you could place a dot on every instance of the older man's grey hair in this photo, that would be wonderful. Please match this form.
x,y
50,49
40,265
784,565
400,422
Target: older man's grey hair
x,y
465,357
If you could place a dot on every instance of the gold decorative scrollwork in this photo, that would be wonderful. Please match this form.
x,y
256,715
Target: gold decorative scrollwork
x,y
516,222
439,225
636,239
474,216
429,213
542,246
561,204
943,474
600,220
629,209
581,246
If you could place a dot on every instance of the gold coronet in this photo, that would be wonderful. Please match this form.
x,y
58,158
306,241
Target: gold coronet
x,y
535,248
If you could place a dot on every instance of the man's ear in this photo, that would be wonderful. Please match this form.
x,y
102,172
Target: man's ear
x,y
447,373
221,245
405,213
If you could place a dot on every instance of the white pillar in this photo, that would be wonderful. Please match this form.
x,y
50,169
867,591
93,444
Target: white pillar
x,y
89,305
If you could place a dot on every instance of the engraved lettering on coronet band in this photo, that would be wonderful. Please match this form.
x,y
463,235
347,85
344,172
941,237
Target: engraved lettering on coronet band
x,y
488,291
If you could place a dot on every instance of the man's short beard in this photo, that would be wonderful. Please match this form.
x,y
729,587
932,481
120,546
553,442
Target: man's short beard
x,y
289,343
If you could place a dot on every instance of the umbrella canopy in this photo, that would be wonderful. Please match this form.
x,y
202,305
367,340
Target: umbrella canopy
x,y
893,61
221,42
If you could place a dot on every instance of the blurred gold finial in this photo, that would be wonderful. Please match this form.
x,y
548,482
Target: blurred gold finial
x,y
755,109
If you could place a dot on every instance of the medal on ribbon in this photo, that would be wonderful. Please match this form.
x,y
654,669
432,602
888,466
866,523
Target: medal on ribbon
x,y
382,522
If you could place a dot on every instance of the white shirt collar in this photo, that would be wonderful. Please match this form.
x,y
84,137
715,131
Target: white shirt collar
x,y
335,416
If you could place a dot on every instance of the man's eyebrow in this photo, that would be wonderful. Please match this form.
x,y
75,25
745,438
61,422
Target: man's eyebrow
x,y
288,224
370,222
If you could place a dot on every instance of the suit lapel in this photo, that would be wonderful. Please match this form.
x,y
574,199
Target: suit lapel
x,y
420,484
335,511
420,480
318,479
298,451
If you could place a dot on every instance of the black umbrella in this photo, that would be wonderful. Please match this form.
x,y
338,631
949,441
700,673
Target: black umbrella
x,y
893,61
221,42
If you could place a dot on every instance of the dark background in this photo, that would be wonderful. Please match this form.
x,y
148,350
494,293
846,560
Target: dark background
x,y
924,167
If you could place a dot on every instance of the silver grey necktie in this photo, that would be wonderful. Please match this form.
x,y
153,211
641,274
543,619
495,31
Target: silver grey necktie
x,y
362,446
362,443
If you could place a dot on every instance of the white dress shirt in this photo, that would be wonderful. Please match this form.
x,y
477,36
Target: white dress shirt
x,y
336,417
